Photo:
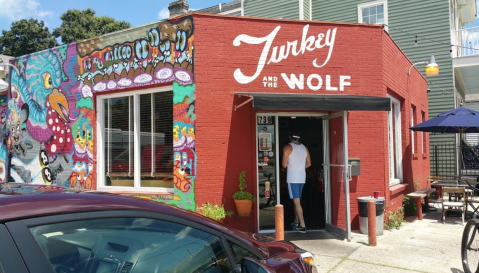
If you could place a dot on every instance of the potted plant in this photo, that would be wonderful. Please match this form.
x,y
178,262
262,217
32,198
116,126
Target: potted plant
x,y
215,212
243,199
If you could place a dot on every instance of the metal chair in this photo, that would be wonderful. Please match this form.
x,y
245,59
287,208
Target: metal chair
x,y
471,192
456,204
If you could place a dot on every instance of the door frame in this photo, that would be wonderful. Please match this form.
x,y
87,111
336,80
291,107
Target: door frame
x,y
276,116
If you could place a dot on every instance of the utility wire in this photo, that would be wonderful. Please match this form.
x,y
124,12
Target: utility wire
x,y
443,91
426,38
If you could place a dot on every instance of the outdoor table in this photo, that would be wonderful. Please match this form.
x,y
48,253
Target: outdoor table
x,y
456,183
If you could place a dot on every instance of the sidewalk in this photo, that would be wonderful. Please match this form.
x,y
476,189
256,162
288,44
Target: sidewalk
x,y
425,245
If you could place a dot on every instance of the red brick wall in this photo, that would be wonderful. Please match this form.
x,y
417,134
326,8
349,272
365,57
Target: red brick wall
x,y
225,143
412,92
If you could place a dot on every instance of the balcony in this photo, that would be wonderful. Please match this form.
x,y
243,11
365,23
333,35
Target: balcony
x,y
467,41
466,60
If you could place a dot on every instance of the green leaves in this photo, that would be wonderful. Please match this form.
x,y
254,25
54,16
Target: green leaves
x,y
28,36
84,24
241,194
215,212
25,37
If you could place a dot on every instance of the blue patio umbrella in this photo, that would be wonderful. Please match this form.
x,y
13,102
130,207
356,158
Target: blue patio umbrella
x,y
460,120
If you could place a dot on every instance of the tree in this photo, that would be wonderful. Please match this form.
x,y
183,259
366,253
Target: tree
x,y
83,24
25,37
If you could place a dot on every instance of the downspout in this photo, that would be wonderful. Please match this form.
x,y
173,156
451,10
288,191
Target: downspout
x,y
242,8
301,9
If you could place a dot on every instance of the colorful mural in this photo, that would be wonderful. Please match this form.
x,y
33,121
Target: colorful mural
x,y
49,119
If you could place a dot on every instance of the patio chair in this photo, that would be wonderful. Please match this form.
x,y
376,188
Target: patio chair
x,y
471,192
457,203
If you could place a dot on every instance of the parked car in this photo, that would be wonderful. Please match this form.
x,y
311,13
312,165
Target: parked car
x,y
98,232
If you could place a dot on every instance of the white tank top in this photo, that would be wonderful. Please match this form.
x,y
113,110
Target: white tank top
x,y
297,164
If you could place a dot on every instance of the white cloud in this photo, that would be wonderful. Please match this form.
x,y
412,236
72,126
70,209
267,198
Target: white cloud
x,y
15,10
163,14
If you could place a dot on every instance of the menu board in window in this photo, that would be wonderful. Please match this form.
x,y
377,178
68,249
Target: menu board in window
x,y
265,143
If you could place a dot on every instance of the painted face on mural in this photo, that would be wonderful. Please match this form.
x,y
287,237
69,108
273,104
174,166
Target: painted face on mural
x,y
15,131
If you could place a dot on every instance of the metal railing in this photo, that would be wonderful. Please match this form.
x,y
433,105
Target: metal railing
x,y
466,42
444,159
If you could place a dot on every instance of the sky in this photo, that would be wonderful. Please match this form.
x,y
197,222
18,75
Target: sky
x,y
138,12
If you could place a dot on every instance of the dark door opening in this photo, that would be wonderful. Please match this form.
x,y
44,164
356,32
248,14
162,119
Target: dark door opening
x,y
312,200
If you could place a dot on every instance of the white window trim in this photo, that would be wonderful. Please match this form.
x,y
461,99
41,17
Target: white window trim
x,y
397,115
371,4
422,135
412,132
100,141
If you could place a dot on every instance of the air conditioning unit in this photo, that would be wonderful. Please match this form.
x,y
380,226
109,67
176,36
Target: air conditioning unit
x,y
465,2
467,14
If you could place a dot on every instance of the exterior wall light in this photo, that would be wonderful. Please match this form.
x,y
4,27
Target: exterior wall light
x,y
432,69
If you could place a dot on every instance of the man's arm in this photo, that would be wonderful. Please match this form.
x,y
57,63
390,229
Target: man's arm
x,y
308,159
286,152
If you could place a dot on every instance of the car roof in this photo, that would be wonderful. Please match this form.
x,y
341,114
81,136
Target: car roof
x,y
18,206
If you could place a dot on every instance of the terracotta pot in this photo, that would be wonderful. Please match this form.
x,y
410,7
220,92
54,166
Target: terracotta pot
x,y
243,207
222,220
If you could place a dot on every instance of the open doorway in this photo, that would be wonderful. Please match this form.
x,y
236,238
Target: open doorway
x,y
273,134
312,200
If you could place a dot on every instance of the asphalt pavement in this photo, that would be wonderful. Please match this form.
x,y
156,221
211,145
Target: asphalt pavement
x,y
425,245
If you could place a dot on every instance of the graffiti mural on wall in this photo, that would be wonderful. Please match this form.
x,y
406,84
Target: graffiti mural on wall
x,y
184,141
50,122
165,55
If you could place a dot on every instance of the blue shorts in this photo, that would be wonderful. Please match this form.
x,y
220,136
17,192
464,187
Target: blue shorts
x,y
295,190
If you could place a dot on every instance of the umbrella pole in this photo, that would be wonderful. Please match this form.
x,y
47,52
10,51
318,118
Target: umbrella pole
x,y
460,154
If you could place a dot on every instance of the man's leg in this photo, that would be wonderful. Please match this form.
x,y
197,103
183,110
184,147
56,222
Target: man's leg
x,y
298,211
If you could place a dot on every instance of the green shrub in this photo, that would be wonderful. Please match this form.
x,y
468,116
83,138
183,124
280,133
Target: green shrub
x,y
394,219
215,212
409,205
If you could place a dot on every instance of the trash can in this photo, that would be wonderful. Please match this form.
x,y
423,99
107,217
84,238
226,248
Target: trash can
x,y
363,214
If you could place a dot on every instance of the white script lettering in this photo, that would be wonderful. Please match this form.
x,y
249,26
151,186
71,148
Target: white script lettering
x,y
308,43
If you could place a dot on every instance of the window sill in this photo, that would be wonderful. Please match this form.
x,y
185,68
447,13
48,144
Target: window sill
x,y
137,191
397,189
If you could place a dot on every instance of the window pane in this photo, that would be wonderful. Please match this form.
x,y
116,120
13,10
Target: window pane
x,y
118,135
372,10
372,19
394,133
365,11
156,139
380,9
120,244
366,19
380,19
240,252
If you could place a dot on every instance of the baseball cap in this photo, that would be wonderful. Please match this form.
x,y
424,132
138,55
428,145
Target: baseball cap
x,y
295,134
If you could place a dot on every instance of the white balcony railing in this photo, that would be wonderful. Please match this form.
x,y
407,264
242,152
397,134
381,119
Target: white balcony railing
x,y
466,42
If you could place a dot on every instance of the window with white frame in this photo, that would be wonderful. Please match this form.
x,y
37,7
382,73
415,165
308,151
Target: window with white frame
x,y
395,149
375,12
412,132
135,140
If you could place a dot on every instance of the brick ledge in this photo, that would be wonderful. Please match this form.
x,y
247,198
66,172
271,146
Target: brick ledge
x,y
397,189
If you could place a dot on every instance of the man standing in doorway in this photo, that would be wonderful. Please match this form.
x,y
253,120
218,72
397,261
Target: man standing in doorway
x,y
296,159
